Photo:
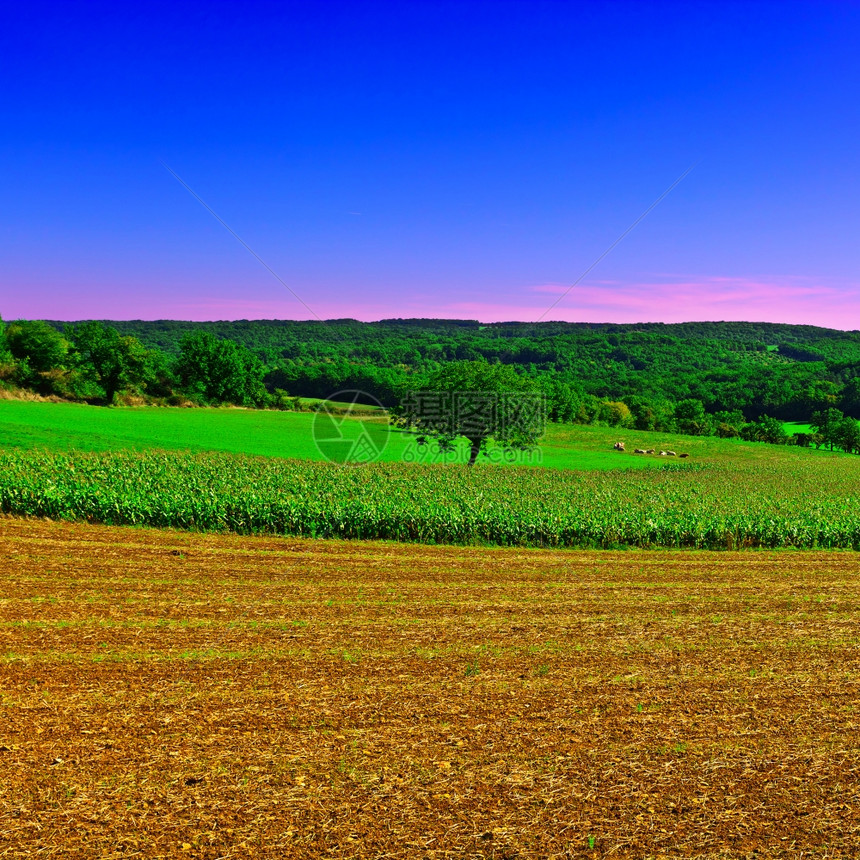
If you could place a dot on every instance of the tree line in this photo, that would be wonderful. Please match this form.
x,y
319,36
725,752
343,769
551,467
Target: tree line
x,y
721,379
784,371
96,363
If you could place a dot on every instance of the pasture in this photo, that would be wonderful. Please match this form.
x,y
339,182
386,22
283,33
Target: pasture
x,y
76,427
167,694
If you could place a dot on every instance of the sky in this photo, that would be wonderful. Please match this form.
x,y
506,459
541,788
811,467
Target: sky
x,y
446,159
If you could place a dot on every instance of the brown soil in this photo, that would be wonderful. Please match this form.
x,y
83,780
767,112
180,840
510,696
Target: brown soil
x,y
166,694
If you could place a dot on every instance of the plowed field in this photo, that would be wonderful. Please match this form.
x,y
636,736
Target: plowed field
x,y
167,694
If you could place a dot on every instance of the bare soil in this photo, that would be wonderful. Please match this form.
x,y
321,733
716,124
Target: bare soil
x,y
166,694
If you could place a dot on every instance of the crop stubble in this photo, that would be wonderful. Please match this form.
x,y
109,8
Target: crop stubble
x,y
174,694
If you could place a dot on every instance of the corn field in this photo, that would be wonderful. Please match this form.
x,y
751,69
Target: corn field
x,y
813,503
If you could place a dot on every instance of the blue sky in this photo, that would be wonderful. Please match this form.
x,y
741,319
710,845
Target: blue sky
x,y
436,159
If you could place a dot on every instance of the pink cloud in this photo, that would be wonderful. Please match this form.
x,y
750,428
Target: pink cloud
x,y
661,298
798,301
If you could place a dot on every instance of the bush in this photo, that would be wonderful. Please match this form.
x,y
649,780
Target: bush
x,y
765,429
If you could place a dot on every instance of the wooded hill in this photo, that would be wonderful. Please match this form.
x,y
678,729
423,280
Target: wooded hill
x,y
785,371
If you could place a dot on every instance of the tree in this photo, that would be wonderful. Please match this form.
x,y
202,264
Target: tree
x,y
615,413
803,440
37,343
113,361
6,360
563,401
728,423
38,349
643,414
476,401
850,401
651,414
727,431
157,375
217,370
765,429
846,434
690,418
826,423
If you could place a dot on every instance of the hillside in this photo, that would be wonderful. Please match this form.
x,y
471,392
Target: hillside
x,y
786,371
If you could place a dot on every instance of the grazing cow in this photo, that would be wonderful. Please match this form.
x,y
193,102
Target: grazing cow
x,y
683,455
639,451
662,453
650,451
671,454
619,446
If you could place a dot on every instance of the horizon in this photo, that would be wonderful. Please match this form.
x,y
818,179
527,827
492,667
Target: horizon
x,y
395,320
602,162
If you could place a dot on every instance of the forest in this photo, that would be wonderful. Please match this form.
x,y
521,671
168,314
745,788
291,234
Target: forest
x,y
722,378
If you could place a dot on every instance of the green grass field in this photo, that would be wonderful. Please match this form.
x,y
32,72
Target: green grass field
x,y
75,427
261,472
